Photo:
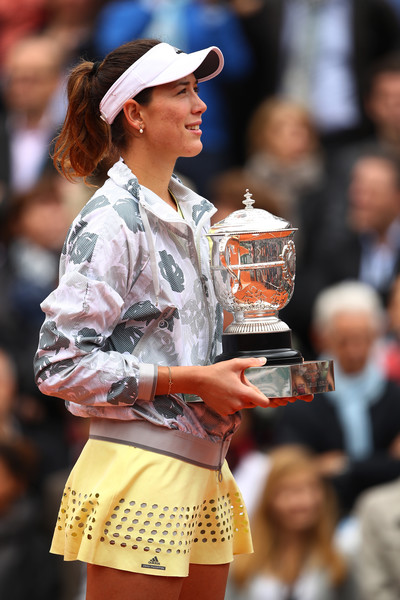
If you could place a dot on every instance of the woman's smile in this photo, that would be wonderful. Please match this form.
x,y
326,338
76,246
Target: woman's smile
x,y
195,127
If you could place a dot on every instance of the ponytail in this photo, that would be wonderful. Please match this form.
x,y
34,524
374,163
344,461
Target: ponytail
x,y
85,139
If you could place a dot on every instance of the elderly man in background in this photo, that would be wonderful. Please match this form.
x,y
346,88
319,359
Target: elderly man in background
x,y
355,430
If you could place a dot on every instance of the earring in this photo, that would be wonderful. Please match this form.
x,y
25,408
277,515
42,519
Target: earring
x,y
141,130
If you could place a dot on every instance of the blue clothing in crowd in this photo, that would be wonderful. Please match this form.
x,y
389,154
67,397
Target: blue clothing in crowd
x,y
189,25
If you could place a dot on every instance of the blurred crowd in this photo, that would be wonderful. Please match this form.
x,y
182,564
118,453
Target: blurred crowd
x,y
306,114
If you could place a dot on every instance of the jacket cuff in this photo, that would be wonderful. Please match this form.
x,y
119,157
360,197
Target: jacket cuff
x,y
147,381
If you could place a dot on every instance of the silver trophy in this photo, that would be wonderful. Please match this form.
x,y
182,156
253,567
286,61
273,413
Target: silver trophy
x,y
253,265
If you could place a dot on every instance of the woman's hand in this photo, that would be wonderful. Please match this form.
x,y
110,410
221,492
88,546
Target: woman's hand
x,y
223,386
244,394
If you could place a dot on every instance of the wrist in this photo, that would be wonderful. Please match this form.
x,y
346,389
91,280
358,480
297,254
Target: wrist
x,y
170,381
178,380
186,380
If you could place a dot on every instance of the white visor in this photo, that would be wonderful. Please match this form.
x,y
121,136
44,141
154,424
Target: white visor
x,y
161,64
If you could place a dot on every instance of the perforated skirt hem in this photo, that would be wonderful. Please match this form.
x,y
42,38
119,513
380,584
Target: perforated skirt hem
x,y
136,510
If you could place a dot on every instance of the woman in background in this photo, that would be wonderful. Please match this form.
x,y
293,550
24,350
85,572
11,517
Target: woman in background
x,y
293,527
284,153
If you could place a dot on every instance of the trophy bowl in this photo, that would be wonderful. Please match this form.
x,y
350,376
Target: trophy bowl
x,y
253,271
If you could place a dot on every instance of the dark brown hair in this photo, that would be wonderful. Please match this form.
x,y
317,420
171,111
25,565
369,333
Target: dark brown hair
x,y
85,139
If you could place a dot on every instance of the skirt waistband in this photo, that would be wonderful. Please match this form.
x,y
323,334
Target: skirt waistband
x,y
156,438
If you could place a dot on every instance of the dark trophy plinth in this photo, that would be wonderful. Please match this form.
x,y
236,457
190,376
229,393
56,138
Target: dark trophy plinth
x,y
276,347
253,262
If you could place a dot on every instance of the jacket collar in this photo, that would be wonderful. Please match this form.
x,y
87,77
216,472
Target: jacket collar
x,y
193,206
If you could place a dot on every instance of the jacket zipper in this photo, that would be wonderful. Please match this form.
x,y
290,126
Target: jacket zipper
x,y
196,239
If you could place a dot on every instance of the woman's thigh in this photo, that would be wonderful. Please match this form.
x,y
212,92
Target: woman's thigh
x,y
204,582
104,583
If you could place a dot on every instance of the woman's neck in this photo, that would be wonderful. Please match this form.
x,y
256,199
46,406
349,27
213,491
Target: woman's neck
x,y
152,173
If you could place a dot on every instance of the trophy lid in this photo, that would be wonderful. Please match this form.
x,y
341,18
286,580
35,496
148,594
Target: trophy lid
x,y
250,220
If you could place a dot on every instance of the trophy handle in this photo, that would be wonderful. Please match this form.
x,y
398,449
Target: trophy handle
x,y
288,257
223,252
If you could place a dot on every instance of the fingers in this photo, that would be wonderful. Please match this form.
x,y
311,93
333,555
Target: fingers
x,y
254,397
246,363
275,402
247,382
226,389
262,400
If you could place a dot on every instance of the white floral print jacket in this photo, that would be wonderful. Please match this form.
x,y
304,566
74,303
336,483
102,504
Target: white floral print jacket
x,y
134,292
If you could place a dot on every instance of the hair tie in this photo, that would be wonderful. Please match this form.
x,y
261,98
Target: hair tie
x,y
95,68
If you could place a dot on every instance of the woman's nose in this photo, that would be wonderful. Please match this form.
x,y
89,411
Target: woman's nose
x,y
199,106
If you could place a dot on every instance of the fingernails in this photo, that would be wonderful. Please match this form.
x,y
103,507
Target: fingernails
x,y
262,360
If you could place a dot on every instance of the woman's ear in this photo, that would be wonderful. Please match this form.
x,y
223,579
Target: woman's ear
x,y
133,115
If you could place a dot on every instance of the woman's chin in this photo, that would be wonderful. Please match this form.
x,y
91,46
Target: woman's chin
x,y
193,151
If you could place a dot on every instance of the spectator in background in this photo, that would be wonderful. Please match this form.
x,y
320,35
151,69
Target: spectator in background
x,y
377,563
228,189
284,154
293,524
25,565
318,53
358,238
33,70
35,227
355,430
189,25
24,503
10,427
367,244
71,23
17,21
382,106
391,351
382,102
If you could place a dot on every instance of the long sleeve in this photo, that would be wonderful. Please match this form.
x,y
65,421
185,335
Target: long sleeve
x,y
76,359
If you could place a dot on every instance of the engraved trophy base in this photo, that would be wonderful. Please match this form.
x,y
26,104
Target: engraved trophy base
x,y
286,374
287,381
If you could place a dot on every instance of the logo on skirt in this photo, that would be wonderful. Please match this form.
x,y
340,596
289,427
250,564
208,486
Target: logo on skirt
x,y
153,564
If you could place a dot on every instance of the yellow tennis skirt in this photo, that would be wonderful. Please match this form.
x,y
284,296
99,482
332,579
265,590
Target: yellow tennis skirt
x,y
140,511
